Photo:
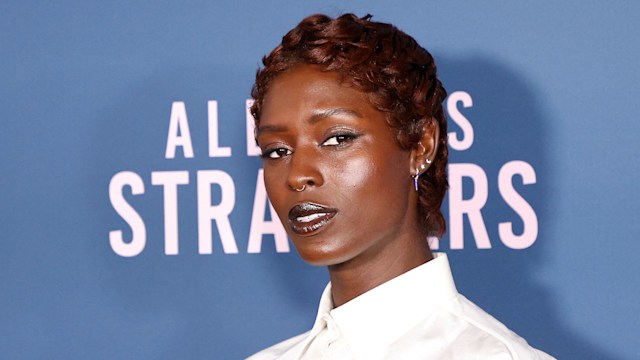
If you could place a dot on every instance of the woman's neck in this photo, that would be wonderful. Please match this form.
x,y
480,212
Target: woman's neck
x,y
359,275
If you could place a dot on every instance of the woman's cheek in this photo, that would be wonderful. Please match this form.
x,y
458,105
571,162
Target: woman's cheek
x,y
355,172
271,182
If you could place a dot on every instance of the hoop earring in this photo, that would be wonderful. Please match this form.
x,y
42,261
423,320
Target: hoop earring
x,y
298,190
415,179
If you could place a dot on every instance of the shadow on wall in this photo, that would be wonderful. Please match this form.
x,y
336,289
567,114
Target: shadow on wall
x,y
510,122
187,305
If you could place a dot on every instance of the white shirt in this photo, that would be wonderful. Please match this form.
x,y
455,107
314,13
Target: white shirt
x,y
417,315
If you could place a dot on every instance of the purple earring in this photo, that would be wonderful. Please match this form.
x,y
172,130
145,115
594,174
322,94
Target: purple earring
x,y
415,179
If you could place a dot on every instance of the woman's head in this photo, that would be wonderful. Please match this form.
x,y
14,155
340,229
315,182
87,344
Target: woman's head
x,y
397,75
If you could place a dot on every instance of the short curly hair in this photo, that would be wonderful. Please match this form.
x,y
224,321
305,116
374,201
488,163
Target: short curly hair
x,y
398,75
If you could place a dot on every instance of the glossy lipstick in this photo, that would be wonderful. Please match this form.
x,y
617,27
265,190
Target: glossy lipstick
x,y
307,218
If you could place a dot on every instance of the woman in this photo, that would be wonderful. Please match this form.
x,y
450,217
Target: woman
x,y
350,122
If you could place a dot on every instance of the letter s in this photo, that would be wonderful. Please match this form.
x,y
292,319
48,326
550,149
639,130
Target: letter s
x,y
128,213
457,117
518,204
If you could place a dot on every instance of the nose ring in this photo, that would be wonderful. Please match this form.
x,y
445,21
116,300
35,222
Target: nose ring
x,y
298,189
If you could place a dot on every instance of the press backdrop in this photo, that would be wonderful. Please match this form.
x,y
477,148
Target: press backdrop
x,y
134,219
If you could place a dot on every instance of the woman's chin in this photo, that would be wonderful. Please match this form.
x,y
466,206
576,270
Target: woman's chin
x,y
321,258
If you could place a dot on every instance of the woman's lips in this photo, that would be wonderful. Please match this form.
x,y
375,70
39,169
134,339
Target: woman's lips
x,y
308,218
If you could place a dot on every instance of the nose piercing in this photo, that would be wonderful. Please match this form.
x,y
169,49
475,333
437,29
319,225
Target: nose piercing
x,y
298,189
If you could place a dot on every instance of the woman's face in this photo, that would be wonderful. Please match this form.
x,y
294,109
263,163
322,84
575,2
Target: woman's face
x,y
333,170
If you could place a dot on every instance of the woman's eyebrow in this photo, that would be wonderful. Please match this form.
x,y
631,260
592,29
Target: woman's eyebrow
x,y
325,113
269,129
314,118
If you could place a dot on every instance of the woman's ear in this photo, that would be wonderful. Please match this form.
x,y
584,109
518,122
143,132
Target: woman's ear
x,y
424,152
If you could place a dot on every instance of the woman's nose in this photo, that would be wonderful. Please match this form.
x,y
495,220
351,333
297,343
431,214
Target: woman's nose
x,y
304,170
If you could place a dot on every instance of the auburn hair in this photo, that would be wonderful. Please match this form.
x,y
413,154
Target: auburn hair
x,y
397,74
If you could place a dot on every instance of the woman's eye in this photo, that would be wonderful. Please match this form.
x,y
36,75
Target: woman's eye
x,y
276,153
338,139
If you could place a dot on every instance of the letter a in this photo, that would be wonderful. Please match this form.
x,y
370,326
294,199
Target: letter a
x,y
178,123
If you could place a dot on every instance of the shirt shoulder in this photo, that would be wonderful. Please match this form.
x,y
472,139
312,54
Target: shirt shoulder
x,y
282,350
483,334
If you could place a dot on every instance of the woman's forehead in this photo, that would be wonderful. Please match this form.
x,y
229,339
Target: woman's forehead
x,y
308,86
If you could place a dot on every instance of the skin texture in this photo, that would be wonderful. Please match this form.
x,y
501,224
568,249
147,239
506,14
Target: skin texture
x,y
318,133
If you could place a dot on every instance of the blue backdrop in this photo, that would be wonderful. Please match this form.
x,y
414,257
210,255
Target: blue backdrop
x,y
110,248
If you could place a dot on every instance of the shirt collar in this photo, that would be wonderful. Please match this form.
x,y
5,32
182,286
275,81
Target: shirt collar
x,y
378,317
